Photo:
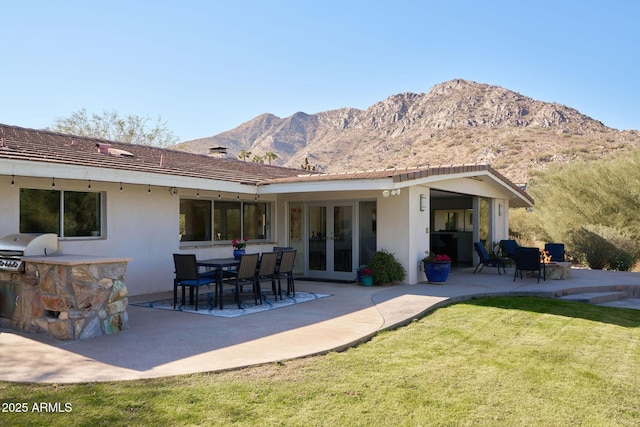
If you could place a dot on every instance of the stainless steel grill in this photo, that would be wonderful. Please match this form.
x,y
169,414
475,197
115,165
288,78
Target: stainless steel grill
x,y
15,246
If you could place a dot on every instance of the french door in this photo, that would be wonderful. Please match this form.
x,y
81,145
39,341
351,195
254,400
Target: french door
x,y
331,241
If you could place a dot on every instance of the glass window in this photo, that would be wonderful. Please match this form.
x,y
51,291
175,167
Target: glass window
x,y
81,214
195,220
226,220
255,220
207,220
368,231
41,211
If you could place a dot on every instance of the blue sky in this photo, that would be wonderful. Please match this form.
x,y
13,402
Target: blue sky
x,y
208,66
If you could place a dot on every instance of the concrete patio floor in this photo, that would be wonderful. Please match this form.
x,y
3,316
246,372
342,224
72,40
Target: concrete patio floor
x,y
164,343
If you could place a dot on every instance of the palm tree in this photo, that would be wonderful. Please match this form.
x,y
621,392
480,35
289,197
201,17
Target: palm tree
x,y
270,155
307,166
244,155
257,159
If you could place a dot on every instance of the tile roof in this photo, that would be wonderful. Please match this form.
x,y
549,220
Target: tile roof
x,y
50,147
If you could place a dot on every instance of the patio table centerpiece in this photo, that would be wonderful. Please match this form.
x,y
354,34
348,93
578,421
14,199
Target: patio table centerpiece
x,y
436,268
238,247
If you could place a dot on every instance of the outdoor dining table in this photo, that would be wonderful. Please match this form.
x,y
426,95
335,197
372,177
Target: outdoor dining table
x,y
219,264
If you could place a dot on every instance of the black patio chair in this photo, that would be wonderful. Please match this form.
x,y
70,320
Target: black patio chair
x,y
556,251
286,271
245,274
486,260
528,259
187,276
508,248
267,270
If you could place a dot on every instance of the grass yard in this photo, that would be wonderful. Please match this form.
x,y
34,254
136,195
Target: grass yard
x,y
507,361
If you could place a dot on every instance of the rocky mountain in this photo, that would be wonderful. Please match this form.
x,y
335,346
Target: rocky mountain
x,y
455,122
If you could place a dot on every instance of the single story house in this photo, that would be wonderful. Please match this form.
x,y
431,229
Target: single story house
x,y
106,198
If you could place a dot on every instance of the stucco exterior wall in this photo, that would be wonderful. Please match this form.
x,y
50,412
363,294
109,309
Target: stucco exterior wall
x,y
145,226
136,224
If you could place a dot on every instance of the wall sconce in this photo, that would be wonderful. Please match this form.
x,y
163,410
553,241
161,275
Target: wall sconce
x,y
423,202
385,193
173,191
500,210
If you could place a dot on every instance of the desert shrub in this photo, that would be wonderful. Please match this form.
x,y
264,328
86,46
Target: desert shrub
x,y
385,268
601,247
577,194
623,261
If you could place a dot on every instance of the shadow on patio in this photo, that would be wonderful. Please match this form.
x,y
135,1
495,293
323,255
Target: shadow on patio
x,y
164,343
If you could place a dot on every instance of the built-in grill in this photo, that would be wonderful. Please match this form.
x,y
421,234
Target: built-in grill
x,y
15,246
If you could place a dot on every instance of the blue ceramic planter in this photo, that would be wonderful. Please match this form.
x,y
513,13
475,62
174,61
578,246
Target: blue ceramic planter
x,y
237,253
437,271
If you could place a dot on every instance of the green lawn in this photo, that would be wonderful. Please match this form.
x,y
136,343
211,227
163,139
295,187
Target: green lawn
x,y
508,361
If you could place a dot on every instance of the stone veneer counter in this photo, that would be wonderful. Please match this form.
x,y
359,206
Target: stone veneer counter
x,y
71,296
73,259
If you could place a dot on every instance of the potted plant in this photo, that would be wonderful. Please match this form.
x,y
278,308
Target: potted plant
x,y
238,247
385,268
366,277
436,267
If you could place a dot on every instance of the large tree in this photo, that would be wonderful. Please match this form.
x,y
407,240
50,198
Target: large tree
x,y
110,125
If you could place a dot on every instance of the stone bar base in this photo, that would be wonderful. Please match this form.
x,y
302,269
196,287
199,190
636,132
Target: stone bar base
x,y
70,298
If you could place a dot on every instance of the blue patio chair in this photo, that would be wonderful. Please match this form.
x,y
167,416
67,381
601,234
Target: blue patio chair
x,y
485,259
528,259
556,251
508,248
187,276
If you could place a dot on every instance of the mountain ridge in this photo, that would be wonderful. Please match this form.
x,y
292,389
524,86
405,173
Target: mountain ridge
x,y
456,122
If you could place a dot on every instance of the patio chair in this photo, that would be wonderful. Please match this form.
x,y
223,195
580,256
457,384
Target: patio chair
x,y
286,271
528,259
187,276
556,251
486,260
267,270
279,250
245,274
508,248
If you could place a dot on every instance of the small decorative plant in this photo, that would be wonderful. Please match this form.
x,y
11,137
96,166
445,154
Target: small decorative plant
x,y
436,267
430,257
239,244
365,271
385,268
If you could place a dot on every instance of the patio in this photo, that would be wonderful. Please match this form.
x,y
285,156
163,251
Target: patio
x,y
164,343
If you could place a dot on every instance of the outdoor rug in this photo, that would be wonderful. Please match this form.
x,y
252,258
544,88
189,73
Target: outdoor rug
x,y
205,304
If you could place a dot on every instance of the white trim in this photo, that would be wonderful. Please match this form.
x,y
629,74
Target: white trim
x,y
66,171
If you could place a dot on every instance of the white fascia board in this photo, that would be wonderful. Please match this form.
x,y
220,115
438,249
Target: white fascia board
x,y
325,186
66,171
497,188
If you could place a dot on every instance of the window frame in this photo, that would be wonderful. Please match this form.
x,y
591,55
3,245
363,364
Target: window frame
x,y
61,214
214,240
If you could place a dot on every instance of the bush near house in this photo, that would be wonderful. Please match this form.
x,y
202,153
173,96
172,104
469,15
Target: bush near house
x,y
385,268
